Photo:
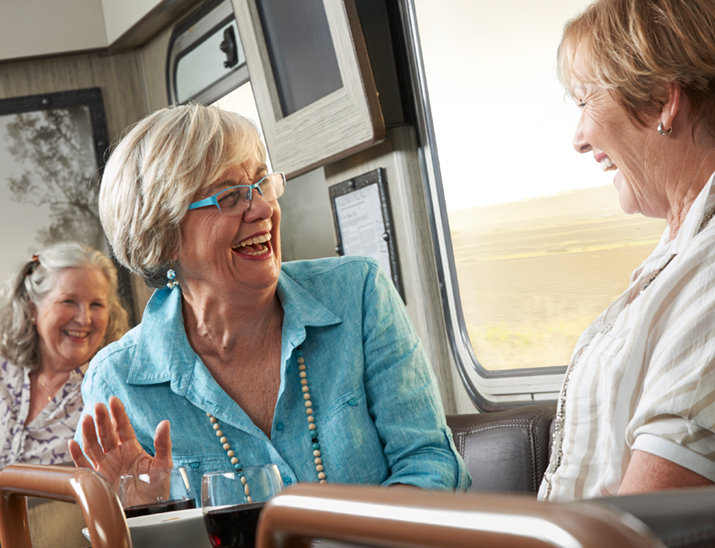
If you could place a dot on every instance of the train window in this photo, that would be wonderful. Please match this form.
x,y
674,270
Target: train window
x,y
205,59
539,244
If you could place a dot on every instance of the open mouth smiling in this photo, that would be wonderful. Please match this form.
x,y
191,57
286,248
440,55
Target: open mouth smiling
x,y
254,246
605,162
76,334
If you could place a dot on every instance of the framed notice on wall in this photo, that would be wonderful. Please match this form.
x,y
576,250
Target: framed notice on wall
x,y
363,221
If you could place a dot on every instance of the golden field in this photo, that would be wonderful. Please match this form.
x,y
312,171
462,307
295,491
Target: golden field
x,y
533,274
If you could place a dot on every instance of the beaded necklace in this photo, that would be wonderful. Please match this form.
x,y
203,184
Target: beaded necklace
x,y
312,429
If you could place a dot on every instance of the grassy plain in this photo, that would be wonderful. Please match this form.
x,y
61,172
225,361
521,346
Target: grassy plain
x,y
533,274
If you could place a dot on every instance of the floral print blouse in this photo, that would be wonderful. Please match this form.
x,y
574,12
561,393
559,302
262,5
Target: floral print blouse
x,y
44,440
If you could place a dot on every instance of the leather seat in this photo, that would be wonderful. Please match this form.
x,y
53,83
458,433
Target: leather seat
x,y
506,451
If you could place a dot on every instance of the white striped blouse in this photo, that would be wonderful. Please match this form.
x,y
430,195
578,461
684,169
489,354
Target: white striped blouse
x,y
643,373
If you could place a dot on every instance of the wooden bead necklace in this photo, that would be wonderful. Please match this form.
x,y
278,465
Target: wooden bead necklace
x,y
312,429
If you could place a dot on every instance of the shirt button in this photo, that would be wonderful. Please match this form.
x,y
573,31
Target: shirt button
x,y
194,464
279,427
352,401
287,480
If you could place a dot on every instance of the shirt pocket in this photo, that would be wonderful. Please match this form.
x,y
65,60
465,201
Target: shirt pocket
x,y
350,444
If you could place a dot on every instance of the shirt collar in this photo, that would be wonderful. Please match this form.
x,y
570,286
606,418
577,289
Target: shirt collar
x,y
163,351
162,346
299,305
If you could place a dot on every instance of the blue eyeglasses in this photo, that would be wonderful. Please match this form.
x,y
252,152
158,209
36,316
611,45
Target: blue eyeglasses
x,y
234,200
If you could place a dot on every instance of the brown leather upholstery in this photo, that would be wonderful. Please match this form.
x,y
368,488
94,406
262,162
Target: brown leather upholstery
x,y
507,451
100,506
404,517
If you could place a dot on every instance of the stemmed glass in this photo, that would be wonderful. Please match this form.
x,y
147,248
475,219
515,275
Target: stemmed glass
x,y
232,501
155,491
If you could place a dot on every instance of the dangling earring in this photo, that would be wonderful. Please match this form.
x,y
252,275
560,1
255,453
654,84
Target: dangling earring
x,y
662,131
171,276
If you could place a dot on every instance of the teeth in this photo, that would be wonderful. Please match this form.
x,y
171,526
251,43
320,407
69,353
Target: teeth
x,y
257,240
254,253
606,164
78,334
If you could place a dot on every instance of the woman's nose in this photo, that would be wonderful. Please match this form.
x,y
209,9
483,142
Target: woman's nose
x,y
579,140
83,315
258,208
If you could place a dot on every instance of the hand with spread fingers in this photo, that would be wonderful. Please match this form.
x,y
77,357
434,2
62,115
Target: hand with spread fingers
x,y
111,446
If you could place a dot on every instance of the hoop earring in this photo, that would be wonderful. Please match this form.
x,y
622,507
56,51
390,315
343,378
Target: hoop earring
x,y
662,131
171,276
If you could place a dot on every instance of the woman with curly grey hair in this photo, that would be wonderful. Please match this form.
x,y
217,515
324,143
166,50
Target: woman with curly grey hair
x,y
59,309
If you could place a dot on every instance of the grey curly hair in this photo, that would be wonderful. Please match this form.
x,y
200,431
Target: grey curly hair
x,y
19,340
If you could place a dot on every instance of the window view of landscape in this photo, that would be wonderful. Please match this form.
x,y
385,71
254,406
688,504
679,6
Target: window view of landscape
x,y
540,243
533,274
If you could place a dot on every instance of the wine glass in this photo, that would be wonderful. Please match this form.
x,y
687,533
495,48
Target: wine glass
x,y
232,500
155,491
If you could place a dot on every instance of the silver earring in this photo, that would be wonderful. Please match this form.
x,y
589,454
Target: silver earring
x,y
171,276
662,131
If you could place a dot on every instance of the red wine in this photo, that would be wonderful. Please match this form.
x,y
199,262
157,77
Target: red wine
x,y
159,507
234,526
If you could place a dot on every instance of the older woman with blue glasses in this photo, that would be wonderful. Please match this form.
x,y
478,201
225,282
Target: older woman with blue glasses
x,y
311,365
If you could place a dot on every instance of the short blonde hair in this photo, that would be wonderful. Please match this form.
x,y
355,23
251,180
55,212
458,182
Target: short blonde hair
x,y
635,48
154,174
19,340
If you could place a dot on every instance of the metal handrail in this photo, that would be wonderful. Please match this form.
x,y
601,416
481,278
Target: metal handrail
x,y
377,516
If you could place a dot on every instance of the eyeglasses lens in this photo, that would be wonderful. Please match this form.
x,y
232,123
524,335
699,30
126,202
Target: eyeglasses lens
x,y
234,201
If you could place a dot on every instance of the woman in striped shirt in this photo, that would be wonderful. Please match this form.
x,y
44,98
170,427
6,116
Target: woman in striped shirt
x,y
637,408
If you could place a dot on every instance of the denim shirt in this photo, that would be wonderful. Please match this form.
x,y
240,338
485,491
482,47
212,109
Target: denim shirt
x,y
376,406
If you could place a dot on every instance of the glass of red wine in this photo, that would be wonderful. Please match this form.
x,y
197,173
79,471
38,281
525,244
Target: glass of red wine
x,y
155,491
232,501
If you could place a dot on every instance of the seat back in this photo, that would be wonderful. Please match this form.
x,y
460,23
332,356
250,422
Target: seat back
x,y
99,503
506,451
406,517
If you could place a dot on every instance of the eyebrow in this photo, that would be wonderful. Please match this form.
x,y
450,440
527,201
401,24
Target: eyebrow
x,y
226,183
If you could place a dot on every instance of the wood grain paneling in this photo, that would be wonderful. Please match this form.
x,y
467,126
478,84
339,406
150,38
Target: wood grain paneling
x,y
334,126
154,55
117,75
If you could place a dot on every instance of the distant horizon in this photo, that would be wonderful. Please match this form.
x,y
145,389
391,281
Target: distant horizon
x,y
533,274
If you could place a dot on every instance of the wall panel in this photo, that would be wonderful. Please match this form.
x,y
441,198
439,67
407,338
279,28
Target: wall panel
x,y
117,75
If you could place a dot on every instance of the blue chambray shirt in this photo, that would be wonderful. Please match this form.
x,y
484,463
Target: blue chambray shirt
x,y
375,400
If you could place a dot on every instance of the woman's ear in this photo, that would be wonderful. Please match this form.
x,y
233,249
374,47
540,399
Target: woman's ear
x,y
33,311
671,107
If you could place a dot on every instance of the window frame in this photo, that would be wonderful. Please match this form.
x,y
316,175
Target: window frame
x,y
203,23
489,390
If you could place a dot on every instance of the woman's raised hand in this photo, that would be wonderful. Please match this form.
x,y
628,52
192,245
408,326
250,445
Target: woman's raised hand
x,y
117,451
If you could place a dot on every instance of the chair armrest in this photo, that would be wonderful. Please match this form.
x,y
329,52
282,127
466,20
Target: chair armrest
x,y
362,516
100,505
